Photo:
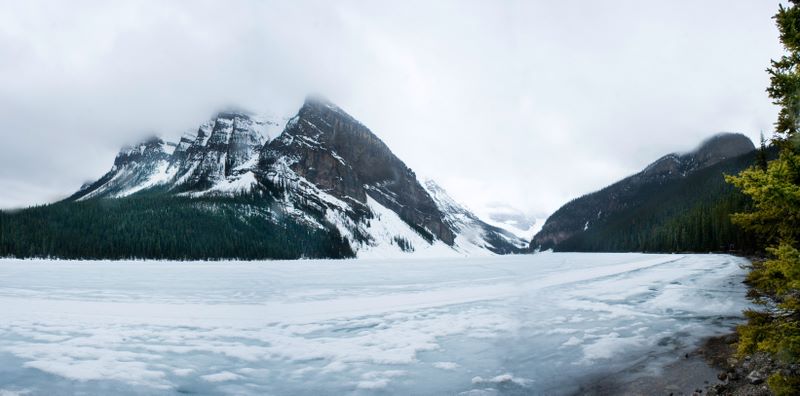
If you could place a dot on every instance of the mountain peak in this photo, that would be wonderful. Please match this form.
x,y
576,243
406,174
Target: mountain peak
x,y
151,148
643,190
318,100
325,171
726,137
710,151
334,151
721,147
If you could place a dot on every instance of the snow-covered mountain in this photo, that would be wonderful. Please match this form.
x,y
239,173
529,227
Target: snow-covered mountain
x,y
322,168
520,223
472,233
214,160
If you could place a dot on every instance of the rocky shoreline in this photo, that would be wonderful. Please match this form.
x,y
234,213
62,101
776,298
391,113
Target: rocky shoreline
x,y
711,369
682,372
739,377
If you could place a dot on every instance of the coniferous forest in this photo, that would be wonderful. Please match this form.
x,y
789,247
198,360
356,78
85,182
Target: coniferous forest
x,y
691,214
774,187
163,227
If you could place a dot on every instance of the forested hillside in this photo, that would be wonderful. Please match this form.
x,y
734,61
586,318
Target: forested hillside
x,y
162,227
691,214
687,212
325,187
774,187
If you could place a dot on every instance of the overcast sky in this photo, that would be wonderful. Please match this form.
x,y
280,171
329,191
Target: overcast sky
x,y
531,103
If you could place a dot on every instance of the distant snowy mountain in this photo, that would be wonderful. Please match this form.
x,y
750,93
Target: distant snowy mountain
x,y
522,224
321,168
472,233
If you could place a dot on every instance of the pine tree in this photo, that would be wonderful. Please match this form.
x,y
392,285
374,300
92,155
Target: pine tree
x,y
784,78
761,157
158,227
774,187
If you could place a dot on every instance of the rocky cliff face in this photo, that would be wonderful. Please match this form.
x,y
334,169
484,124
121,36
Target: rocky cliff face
x,y
344,158
133,169
578,215
223,147
325,169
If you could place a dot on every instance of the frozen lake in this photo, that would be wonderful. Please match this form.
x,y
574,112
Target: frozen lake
x,y
533,324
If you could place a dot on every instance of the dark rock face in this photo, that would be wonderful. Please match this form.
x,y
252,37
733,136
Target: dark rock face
x,y
220,148
712,151
211,167
187,161
721,147
183,146
580,213
325,171
341,156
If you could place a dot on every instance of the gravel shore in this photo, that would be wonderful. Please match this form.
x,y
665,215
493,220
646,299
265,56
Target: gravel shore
x,y
709,369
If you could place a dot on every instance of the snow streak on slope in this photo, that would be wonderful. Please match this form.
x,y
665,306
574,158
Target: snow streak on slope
x,y
389,233
215,160
501,325
383,235
135,168
325,169
473,235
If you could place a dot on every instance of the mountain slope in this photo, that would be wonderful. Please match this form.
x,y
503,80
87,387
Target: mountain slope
x,y
218,155
164,227
678,203
473,234
341,157
522,224
326,186
135,168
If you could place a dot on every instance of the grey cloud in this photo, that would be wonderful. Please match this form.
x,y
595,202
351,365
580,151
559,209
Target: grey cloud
x,y
526,102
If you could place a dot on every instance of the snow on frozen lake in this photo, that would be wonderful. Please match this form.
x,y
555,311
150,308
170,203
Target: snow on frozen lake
x,y
534,324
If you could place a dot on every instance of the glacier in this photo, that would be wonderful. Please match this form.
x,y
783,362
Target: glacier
x,y
519,324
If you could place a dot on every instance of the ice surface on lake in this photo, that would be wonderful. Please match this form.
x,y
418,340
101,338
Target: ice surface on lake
x,y
503,325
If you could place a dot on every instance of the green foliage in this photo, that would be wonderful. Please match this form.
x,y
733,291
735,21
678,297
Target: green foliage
x,y
783,385
757,329
761,157
780,275
784,73
154,226
775,332
775,216
776,196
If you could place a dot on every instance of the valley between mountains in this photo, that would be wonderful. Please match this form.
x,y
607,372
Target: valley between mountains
x,y
320,184
317,185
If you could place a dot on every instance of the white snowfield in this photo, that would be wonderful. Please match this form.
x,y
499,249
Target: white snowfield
x,y
535,324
